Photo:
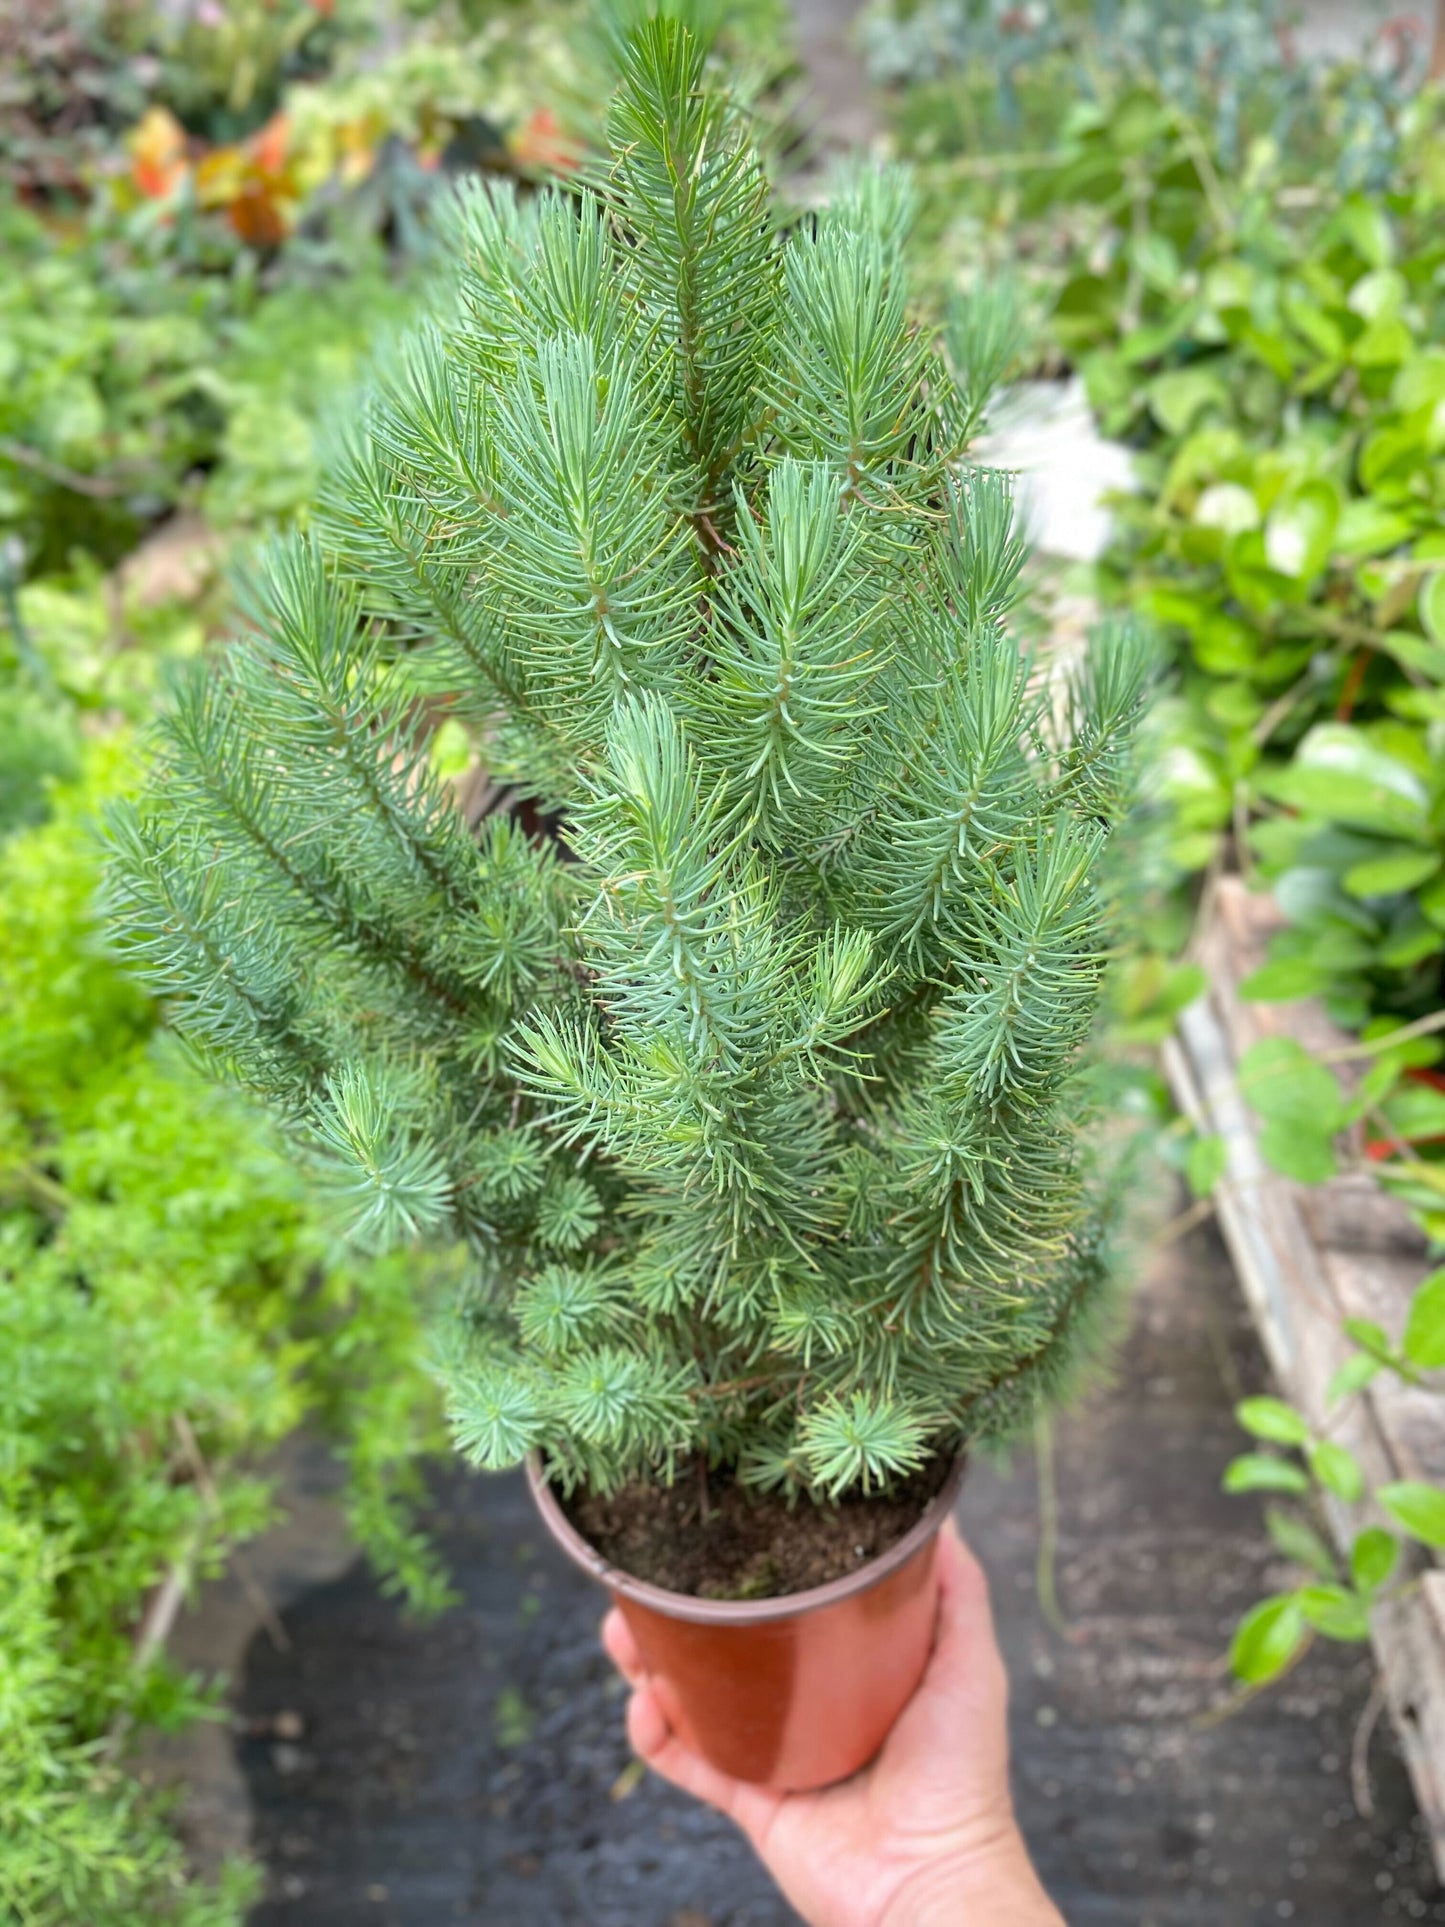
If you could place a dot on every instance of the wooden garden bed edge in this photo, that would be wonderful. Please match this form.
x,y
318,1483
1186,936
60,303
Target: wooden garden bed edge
x,y
1303,1258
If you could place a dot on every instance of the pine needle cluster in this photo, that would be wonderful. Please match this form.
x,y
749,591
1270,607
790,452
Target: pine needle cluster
x,y
755,1090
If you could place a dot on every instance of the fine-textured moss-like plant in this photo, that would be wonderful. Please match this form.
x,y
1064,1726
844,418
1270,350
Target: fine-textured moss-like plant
x,y
754,1089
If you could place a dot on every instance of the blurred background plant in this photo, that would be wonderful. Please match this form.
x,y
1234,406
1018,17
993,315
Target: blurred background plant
x,y
978,73
170,1308
1195,217
1238,254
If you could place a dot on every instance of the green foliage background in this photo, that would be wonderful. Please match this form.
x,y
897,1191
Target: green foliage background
x,y
168,1299
1243,261
161,1269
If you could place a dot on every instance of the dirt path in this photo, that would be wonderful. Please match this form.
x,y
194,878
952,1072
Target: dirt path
x,y
475,1771
838,106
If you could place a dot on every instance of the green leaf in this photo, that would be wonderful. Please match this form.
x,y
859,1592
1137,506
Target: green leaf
x,y
1421,382
1388,875
1373,1558
1259,1472
1335,1611
1391,455
1227,506
1298,1540
1366,226
1297,1153
1378,1081
1416,1112
451,750
1370,1337
1383,344
1379,295
1419,1508
1157,260
1367,527
1283,980
1272,1419
1299,531
1318,328
1432,606
1176,398
1415,654
1351,1377
1284,1084
1425,1329
1152,987
1337,1470
1272,347
1338,774
1411,941
1206,1164
1267,1639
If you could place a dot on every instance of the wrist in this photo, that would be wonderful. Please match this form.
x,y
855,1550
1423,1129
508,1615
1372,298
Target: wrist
x,y
989,1885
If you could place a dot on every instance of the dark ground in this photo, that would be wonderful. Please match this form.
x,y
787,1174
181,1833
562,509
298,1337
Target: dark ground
x,y
471,1770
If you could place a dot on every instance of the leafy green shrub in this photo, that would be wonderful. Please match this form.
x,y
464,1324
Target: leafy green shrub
x,y
100,410
80,1842
1216,59
759,1108
986,75
132,377
169,1309
223,69
1306,1471
1266,339
1292,531
1284,383
1266,336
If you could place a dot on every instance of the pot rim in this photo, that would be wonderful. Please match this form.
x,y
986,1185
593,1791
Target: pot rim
x,y
739,1612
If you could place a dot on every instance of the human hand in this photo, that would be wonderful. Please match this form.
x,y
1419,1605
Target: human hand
x,y
926,1835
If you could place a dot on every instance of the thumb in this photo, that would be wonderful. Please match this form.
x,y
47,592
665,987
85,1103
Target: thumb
x,y
964,1643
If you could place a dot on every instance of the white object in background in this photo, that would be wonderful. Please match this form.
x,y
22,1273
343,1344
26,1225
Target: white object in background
x,y
1046,433
1350,29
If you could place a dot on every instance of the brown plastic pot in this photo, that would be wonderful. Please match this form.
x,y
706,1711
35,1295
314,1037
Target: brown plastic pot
x,y
792,1693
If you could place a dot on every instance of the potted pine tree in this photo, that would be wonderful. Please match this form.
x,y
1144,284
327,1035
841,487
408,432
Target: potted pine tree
x,y
753,1091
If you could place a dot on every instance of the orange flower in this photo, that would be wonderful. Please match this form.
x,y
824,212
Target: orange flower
x,y
269,143
157,145
253,182
259,215
542,144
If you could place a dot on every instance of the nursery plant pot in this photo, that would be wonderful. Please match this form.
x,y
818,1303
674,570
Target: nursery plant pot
x,y
795,1692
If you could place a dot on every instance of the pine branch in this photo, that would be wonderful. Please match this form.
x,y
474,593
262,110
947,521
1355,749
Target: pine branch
x,y
756,1098
182,932
852,372
210,764
796,646
692,192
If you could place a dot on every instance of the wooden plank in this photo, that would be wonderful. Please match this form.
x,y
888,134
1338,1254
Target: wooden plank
x,y
1308,1257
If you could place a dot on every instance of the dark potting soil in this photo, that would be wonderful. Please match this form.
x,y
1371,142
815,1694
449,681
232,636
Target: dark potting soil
x,y
746,1544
